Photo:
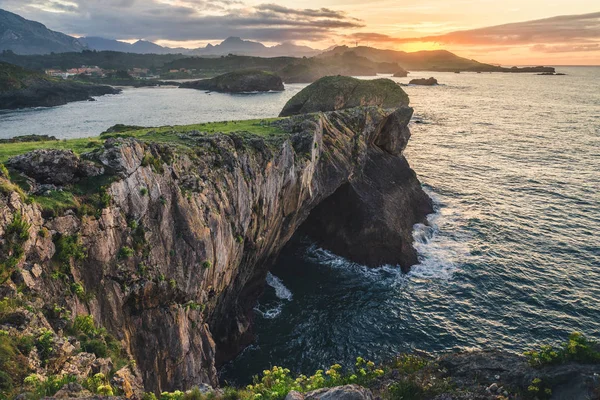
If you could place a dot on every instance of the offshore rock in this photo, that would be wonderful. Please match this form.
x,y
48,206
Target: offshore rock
x,y
239,82
424,82
339,92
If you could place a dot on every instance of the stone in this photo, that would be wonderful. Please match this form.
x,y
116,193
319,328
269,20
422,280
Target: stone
x,y
128,383
293,395
79,365
102,366
57,167
119,156
347,392
72,390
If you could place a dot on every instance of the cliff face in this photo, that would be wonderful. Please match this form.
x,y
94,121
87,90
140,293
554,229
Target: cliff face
x,y
174,263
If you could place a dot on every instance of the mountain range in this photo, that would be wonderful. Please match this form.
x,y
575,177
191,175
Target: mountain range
x,y
23,36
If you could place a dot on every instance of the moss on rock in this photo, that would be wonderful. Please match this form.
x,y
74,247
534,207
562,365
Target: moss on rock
x,y
338,92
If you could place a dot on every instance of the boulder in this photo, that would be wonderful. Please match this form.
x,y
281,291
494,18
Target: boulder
x,y
239,82
72,390
119,156
339,92
54,167
128,383
347,392
424,82
402,73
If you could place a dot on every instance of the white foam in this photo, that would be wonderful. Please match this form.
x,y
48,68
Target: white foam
x,y
281,291
271,313
440,252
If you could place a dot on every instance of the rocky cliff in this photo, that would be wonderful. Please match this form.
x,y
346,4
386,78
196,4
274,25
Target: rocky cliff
x,y
168,238
21,88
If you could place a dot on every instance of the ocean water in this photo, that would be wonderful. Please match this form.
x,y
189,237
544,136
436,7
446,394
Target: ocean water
x,y
510,259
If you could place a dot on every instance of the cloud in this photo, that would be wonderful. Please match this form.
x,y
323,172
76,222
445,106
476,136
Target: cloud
x,y
574,31
183,20
566,48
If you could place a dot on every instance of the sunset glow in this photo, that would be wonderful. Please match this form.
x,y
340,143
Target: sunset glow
x,y
508,32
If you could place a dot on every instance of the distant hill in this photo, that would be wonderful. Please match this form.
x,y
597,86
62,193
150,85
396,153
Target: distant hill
x,y
238,46
139,47
29,37
420,60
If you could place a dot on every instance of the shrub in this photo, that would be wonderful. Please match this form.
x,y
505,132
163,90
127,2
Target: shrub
x,y
45,345
144,191
125,252
206,264
69,247
577,348
105,198
85,324
15,235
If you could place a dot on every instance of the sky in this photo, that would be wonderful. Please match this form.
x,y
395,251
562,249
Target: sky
x,y
508,32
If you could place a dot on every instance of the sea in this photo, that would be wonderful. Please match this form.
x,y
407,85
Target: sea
x,y
509,260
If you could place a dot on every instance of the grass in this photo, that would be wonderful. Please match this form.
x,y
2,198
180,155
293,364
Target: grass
x,y
165,134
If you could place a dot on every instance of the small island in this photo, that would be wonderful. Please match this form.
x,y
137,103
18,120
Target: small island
x,y
22,88
401,73
424,82
338,92
239,82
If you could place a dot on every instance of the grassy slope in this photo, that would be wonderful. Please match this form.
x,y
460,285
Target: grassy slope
x,y
165,134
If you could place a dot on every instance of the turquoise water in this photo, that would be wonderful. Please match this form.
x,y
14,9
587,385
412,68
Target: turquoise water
x,y
511,258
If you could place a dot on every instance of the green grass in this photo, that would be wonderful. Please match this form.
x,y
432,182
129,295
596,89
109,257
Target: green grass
x,y
82,145
165,134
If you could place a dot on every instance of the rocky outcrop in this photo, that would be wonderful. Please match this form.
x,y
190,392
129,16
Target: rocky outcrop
x,y
173,264
401,73
347,392
239,82
424,81
339,92
44,93
370,220
58,167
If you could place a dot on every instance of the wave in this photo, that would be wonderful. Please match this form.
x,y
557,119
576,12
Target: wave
x,y
440,253
270,313
281,291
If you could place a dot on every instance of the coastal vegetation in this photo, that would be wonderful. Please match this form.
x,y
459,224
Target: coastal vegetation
x,y
21,88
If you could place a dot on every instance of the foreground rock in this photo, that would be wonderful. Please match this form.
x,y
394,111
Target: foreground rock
x,y
339,92
347,392
424,81
173,256
239,82
20,88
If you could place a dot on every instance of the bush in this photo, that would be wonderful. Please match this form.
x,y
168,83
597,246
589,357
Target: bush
x,y
144,191
577,348
45,345
15,235
85,324
69,247
206,264
126,252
